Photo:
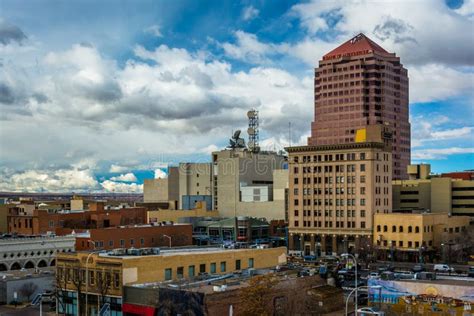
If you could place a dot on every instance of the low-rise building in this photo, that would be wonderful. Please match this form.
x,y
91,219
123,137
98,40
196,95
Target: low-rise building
x,y
102,276
409,236
288,294
238,229
47,221
33,252
23,286
200,210
448,193
136,236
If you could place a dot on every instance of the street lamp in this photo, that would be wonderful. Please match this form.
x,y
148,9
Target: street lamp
x,y
356,283
169,238
87,275
368,287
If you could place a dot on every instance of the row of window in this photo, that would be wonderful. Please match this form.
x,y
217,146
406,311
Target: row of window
x,y
95,277
401,243
329,224
329,202
328,213
203,269
330,157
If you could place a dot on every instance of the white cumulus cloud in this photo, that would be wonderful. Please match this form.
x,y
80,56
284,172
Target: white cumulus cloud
x,y
128,177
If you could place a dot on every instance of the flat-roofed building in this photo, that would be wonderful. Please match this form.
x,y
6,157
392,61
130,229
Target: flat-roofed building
x,y
108,272
409,236
438,194
334,190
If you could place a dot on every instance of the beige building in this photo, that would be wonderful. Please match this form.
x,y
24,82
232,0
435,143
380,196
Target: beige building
x,y
334,191
437,194
260,177
417,233
175,215
107,273
195,184
163,190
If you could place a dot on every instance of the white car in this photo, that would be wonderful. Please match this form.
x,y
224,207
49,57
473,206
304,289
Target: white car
x,y
442,268
369,311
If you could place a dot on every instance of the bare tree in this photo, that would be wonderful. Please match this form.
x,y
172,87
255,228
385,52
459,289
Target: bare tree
x,y
255,297
78,281
60,285
103,285
28,289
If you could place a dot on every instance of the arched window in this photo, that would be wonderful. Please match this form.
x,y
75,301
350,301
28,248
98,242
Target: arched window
x,y
400,229
417,229
394,229
410,229
385,228
378,228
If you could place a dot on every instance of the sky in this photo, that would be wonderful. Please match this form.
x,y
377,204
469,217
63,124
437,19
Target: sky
x,y
98,95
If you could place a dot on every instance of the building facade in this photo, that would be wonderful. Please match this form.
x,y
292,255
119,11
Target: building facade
x,y
415,235
334,192
30,253
359,84
235,170
107,273
136,236
437,194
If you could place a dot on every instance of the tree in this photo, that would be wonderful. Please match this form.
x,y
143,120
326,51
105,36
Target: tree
x,y
28,289
78,280
255,298
103,285
60,285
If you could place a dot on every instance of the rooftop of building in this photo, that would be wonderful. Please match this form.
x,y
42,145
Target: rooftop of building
x,y
348,146
358,44
26,274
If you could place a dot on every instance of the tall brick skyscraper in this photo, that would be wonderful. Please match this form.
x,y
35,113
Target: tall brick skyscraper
x,y
359,84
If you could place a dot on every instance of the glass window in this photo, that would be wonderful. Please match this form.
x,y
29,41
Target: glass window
x,y
223,266
250,262
213,267
191,271
168,274
180,272
237,264
202,268
122,243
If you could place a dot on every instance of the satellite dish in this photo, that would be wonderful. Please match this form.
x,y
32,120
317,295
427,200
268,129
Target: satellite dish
x,y
251,113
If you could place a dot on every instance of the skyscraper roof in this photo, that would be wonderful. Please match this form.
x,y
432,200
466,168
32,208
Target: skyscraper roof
x,y
359,44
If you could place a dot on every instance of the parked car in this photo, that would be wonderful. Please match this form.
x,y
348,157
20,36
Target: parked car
x,y
470,273
425,276
369,311
418,268
443,268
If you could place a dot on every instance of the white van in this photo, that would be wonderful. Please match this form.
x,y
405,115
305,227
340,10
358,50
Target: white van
x,y
442,268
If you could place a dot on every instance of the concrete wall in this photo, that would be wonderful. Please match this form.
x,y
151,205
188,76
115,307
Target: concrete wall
x,y
194,179
155,190
10,285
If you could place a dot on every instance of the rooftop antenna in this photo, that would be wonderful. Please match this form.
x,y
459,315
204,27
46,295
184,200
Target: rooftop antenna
x,y
253,131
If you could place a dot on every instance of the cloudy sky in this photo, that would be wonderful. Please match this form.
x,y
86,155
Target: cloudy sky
x,y
97,95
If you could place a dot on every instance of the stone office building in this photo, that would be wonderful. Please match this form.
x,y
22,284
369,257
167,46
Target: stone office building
x,y
334,190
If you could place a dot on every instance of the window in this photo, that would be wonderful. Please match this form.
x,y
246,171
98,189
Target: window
x,y
362,213
132,241
410,244
223,266
180,272
417,244
91,277
362,202
168,274
362,167
400,243
362,179
394,229
142,241
400,229
191,271
237,264
362,224
117,280
111,243
213,267
378,228
122,243
385,228
417,229
250,262
202,268
410,229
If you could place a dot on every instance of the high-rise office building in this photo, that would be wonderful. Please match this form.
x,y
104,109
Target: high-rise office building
x,y
360,84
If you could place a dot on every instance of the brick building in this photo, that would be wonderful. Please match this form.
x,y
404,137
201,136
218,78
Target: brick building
x,y
43,221
360,84
137,236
